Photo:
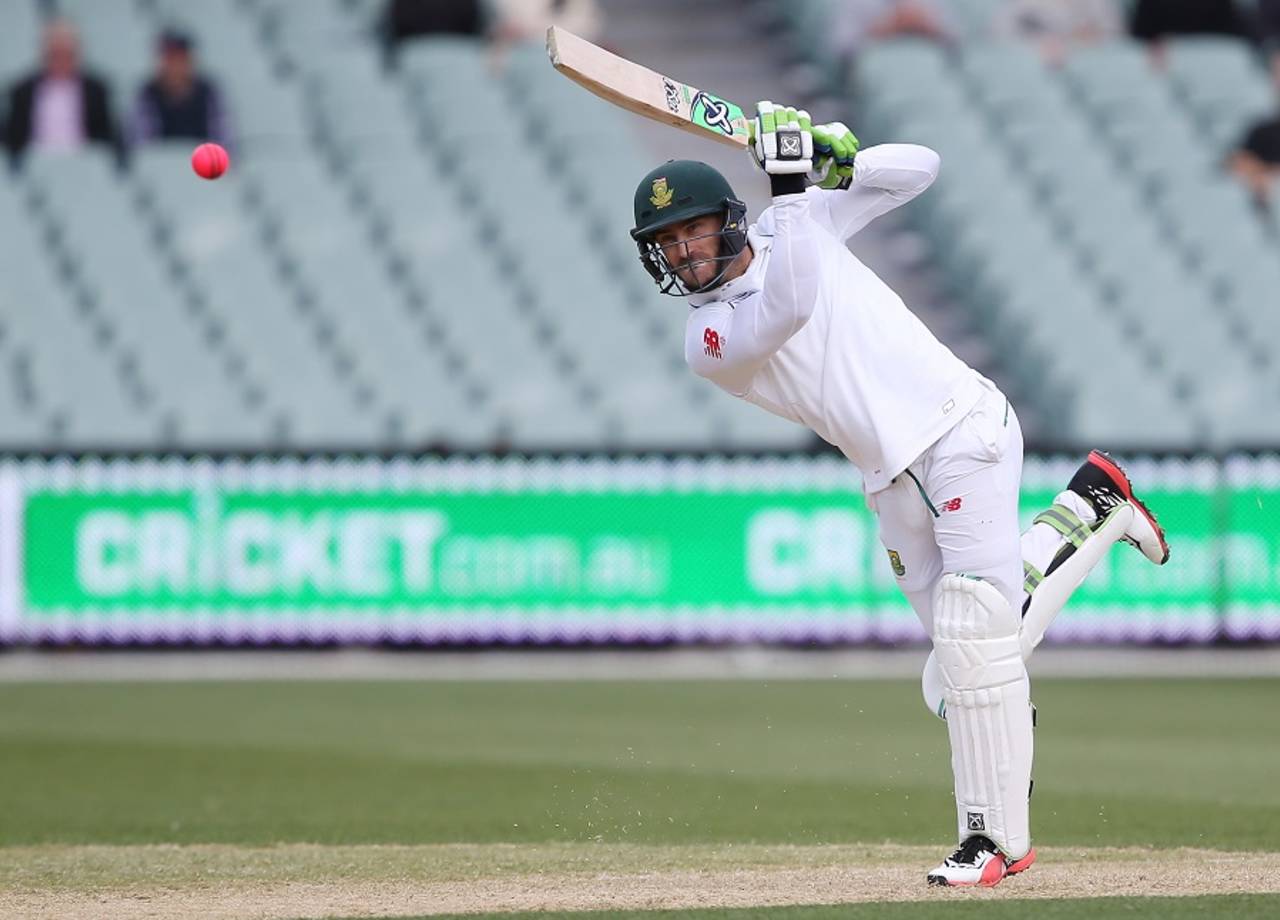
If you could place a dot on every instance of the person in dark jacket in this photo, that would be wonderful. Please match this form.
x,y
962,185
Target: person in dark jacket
x,y
1154,21
408,19
60,107
1256,160
178,101
1269,30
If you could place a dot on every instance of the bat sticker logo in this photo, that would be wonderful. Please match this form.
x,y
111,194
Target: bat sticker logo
x,y
673,95
712,112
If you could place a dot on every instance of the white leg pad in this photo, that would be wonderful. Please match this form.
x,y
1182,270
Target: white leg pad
x,y
932,688
988,697
1046,602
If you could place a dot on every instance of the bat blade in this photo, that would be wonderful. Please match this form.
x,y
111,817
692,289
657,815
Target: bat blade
x,y
645,92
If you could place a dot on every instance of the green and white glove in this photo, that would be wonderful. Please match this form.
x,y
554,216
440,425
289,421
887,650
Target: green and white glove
x,y
782,140
834,147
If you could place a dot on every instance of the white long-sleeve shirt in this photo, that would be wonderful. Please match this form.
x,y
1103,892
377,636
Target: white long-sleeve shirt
x,y
809,333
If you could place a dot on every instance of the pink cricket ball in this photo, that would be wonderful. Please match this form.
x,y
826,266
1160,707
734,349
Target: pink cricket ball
x,y
210,161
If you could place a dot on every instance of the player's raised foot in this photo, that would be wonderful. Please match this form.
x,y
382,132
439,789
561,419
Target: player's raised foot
x,y
978,861
1103,483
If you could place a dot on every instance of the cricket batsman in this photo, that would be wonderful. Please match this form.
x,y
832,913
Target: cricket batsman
x,y
783,315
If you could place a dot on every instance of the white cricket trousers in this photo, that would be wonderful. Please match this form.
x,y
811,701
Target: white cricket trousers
x,y
955,509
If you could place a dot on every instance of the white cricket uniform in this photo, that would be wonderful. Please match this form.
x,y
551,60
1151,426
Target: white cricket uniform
x,y
809,333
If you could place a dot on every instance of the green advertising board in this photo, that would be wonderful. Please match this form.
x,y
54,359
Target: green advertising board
x,y
564,551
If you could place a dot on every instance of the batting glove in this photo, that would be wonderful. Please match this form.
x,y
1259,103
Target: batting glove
x,y
834,147
782,140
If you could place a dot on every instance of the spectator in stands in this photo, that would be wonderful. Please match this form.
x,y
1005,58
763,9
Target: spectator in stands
x,y
527,20
60,107
524,22
1056,27
863,21
1154,20
404,19
178,101
858,23
1256,162
1269,30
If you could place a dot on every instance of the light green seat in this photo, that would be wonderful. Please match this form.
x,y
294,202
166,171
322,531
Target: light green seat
x,y
1216,216
299,192
260,107
1243,94
1175,314
1249,289
526,65
19,43
85,172
22,427
351,97
651,419
218,418
444,61
221,245
994,62
1133,412
116,261
312,424
1115,83
71,374
372,323
215,11
1209,59
743,426
1108,64
909,61
808,33
116,40
495,336
312,29
1237,424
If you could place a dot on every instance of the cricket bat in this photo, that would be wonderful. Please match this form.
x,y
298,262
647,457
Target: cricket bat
x,y
641,90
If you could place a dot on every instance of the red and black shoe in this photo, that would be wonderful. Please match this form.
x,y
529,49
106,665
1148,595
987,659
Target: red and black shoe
x,y
1102,482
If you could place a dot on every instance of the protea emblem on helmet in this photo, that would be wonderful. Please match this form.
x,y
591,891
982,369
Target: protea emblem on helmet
x,y
662,195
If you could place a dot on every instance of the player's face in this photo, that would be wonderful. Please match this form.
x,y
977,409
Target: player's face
x,y
691,247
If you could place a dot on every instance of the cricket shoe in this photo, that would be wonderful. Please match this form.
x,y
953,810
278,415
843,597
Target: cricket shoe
x,y
978,861
1103,484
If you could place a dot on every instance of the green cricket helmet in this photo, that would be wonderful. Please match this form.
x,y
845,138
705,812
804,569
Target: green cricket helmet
x,y
677,191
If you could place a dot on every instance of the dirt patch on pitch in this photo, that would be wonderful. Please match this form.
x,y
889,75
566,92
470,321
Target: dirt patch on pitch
x,y
290,882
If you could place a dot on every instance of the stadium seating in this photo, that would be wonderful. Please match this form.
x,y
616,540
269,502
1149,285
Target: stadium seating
x,y
1083,217
381,270
357,280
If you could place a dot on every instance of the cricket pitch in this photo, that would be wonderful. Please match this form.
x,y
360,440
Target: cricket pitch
x,y
223,882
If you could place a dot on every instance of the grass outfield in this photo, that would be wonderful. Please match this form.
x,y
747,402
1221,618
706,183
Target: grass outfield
x,y
643,778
